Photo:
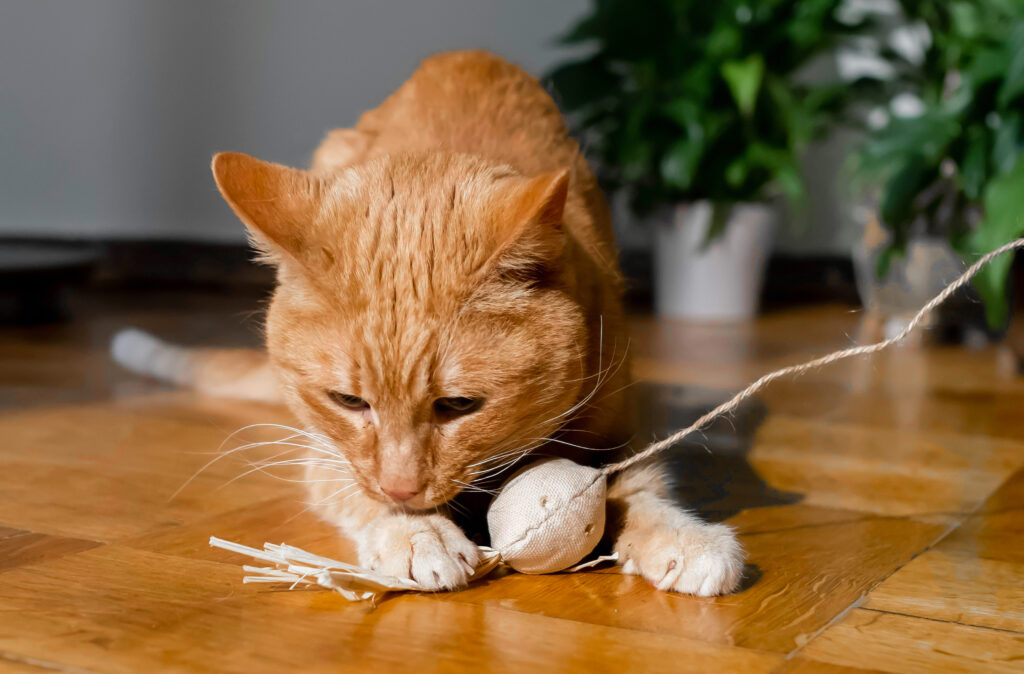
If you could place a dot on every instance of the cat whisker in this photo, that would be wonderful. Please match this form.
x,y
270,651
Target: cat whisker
x,y
309,461
315,504
493,458
506,462
597,384
263,468
494,471
472,487
220,452
332,499
327,499
558,441
503,459
303,481
316,437
322,446
621,388
305,463
235,450
564,417
457,508
568,414
604,374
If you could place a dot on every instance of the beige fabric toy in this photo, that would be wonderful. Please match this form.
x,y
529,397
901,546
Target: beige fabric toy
x,y
550,514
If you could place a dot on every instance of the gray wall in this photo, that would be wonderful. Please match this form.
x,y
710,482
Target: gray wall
x,y
110,109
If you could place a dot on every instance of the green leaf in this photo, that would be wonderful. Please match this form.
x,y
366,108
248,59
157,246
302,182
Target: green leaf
x,y
736,172
700,124
783,166
720,213
965,18
1003,222
924,138
698,81
724,41
679,165
636,147
897,205
800,121
1006,145
744,80
985,66
687,114
974,167
634,159
1013,83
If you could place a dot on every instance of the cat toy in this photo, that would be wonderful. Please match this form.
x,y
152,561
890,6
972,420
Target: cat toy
x,y
550,514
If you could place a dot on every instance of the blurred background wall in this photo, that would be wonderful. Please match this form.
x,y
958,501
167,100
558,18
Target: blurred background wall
x,y
111,109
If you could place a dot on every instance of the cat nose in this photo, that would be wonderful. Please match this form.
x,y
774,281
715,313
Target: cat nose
x,y
400,491
400,495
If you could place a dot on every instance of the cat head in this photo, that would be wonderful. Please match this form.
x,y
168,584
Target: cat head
x,y
422,320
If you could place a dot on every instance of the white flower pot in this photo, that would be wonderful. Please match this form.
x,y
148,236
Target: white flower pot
x,y
720,281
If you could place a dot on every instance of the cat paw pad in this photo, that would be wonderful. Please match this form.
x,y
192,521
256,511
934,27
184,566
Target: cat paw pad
x,y
429,549
704,560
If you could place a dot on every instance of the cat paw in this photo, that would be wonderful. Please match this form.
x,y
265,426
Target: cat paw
x,y
429,549
701,559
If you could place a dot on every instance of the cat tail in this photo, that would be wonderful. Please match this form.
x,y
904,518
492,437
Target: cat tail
x,y
225,373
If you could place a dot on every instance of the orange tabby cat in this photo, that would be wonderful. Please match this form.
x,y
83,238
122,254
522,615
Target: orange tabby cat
x,y
448,299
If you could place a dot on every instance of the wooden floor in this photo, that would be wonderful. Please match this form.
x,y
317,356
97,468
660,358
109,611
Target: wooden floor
x,y
881,504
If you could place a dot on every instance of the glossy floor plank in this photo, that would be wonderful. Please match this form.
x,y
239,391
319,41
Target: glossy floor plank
x,y
996,530
141,608
881,470
956,588
881,504
897,643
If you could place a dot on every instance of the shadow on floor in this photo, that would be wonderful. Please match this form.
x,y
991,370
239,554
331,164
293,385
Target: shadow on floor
x,y
712,470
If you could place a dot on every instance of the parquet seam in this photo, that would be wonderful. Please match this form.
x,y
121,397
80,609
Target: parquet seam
x,y
867,593
866,517
940,620
837,618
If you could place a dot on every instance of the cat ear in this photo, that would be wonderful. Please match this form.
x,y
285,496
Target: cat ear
x,y
276,203
541,200
532,237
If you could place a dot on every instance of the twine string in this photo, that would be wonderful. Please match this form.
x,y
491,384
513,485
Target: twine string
x,y
734,402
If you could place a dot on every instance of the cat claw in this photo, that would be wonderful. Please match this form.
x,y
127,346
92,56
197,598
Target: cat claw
x,y
429,549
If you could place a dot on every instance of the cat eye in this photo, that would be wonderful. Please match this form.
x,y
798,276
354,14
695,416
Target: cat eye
x,y
457,406
347,401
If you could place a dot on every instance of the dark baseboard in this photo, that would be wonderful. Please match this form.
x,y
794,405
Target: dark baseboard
x,y
139,265
155,262
178,262
789,281
39,277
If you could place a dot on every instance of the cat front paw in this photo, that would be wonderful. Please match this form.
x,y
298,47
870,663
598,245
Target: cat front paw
x,y
692,558
429,549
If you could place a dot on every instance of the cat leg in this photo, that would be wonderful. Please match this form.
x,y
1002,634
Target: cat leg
x,y
424,546
669,546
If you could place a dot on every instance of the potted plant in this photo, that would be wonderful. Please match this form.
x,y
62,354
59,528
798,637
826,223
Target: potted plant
x,y
695,109
950,166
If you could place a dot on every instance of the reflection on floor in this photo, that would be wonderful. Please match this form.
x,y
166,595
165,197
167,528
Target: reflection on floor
x,y
881,504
